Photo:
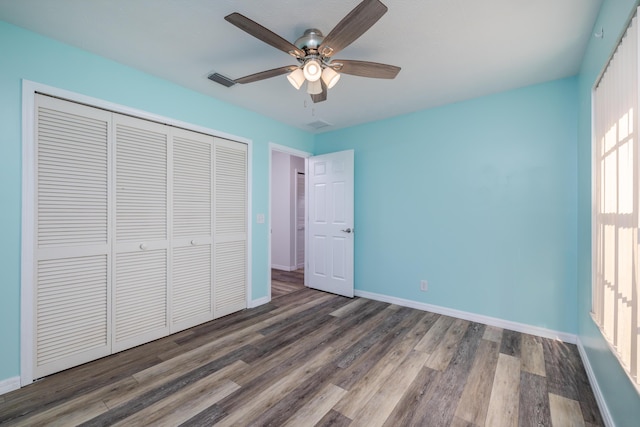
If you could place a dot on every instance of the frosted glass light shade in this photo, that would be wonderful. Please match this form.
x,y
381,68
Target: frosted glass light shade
x,y
312,70
314,88
296,78
330,77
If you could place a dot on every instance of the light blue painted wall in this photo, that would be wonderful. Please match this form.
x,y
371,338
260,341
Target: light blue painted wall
x,y
476,197
620,395
26,55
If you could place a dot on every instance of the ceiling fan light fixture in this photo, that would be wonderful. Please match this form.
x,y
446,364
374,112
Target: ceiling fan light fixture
x,y
296,78
330,77
312,70
314,52
314,88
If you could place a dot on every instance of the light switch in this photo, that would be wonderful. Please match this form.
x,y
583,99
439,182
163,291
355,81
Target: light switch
x,y
260,218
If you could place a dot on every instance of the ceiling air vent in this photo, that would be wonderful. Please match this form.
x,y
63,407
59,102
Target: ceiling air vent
x,y
223,80
318,124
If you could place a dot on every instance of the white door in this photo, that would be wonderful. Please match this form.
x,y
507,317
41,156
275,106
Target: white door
x,y
140,277
230,219
71,299
330,228
192,230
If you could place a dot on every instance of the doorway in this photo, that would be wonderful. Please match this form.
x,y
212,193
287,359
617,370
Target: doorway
x,y
287,215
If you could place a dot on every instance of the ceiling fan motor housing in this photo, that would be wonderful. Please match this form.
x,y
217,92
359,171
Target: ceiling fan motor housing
x,y
310,40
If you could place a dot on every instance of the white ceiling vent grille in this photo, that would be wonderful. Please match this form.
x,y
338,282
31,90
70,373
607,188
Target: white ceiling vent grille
x,y
318,124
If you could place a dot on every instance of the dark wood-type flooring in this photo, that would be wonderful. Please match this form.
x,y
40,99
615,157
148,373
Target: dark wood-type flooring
x,y
285,282
310,358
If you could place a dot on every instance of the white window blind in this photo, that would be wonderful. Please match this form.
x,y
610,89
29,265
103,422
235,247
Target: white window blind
x,y
615,217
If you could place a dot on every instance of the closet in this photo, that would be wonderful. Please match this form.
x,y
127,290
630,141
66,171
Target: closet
x,y
140,231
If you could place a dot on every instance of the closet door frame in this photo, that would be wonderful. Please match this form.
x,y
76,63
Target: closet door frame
x,y
27,276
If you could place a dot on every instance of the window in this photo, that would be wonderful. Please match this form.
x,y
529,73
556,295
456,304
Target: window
x,y
616,203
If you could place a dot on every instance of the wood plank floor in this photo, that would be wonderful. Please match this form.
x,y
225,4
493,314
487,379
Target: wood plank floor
x,y
309,358
285,282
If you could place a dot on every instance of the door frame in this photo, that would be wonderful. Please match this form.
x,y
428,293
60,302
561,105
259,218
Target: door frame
x,y
29,91
292,152
296,174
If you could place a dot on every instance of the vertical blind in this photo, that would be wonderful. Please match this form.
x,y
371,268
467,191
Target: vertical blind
x,y
615,217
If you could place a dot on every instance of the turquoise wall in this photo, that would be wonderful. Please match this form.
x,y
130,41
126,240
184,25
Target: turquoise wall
x,y
476,197
620,395
26,55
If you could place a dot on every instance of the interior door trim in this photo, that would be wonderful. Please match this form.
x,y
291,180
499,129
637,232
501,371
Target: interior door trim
x,y
293,152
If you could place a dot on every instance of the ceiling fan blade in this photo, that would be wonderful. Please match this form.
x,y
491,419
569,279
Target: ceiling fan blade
x,y
365,68
265,74
322,96
258,31
352,26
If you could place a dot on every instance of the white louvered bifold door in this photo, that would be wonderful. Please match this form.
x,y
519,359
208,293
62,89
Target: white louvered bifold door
x,y
230,236
141,226
192,266
72,243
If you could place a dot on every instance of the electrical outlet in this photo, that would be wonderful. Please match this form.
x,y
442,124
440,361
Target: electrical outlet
x,y
423,285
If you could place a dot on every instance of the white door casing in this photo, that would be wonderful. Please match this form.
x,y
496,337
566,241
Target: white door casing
x,y
330,235
292,152
299,219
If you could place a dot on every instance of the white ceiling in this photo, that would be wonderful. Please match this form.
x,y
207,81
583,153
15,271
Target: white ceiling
x,y
449,50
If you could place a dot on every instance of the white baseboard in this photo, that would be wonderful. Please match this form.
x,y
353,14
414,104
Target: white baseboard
x,y
257,302
602,404
283,267
473,317
9,384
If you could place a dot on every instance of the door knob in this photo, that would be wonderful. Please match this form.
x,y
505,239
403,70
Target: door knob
x,y
348,230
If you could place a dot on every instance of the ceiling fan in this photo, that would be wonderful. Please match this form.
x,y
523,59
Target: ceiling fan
x,y
314,52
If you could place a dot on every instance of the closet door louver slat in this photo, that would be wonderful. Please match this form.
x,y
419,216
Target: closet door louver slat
x,y
72,257
72,313
141,294
230,187
192,285
230,204
65,211
191,185
141,180
230,277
